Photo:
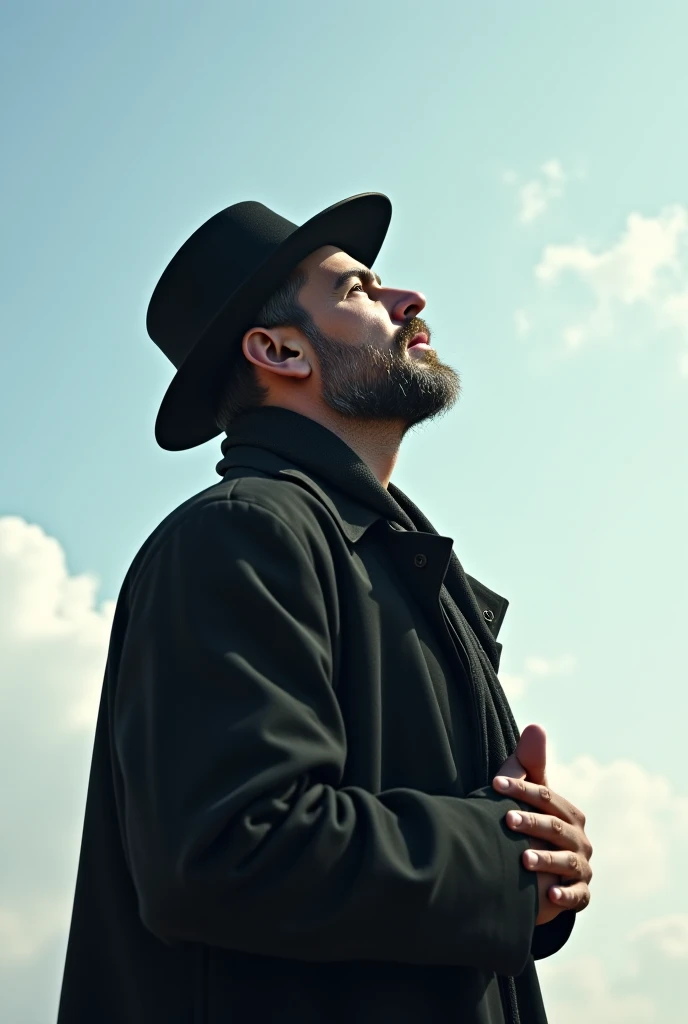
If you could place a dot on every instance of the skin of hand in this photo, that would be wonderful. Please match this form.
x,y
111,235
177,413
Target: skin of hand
x,y
560,850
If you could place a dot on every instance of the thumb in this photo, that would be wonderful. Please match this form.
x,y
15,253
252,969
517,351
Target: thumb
x,y
531,752
512,768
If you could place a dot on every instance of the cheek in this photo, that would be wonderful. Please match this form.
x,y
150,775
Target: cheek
x,y
374,326
359,325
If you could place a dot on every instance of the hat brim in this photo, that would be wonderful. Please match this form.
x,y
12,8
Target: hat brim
x,y
186,417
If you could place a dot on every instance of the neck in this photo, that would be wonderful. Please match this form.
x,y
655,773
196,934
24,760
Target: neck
x,y
377,442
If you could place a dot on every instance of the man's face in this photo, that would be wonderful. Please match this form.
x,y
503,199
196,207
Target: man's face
x,y
361,337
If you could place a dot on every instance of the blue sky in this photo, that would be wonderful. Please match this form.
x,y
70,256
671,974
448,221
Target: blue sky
x,y
536,163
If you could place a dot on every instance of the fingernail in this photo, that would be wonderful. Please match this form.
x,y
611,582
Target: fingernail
x,y
515,818
502,783
556,893
531,858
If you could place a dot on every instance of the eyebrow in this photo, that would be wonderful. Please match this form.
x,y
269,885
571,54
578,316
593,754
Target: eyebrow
x,y
367,276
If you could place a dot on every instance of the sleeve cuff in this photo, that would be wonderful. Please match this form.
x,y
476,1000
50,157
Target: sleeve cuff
x,y
549,938
517,897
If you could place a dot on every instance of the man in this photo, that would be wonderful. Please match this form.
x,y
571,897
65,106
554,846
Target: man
x,y
306,781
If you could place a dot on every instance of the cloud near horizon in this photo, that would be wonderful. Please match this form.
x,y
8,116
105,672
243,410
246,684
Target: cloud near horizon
x,y
53,640
53,644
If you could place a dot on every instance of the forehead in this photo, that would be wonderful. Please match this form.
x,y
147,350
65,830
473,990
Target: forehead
x,y
329,268
328,261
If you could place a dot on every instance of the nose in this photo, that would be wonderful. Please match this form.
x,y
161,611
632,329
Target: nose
x,y
407,304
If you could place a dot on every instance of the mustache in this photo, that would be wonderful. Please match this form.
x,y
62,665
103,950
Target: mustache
x,y
409,330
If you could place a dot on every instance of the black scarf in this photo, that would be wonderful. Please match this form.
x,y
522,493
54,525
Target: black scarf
x,y
499,730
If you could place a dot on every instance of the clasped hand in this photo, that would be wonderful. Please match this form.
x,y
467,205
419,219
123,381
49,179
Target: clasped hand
x,y
560,851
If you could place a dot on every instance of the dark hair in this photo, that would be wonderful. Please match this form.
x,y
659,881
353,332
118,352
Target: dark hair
x,y
242,391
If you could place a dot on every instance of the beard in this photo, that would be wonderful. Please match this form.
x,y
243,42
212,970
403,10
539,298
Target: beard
x,y
365,382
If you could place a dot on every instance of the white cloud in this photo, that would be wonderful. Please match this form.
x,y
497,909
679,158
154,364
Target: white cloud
x,y
581,989
553,170
645,268
574,336
634,959
515,685
637,823
53,641
550,667
536,195
533,201
522,322
668,934
674,313
630,270
675,309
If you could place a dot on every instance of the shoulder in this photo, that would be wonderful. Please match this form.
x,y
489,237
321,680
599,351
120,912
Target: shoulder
x,y
257,507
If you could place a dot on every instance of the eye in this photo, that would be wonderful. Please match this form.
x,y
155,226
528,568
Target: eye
x,y
355,287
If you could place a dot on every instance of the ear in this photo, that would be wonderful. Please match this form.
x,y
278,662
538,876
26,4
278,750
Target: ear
x,y
279,350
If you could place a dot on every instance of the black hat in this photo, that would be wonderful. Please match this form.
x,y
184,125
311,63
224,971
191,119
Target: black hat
x,y
203,303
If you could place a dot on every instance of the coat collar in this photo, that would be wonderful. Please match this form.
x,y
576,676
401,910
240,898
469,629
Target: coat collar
x,y
316,458
284,443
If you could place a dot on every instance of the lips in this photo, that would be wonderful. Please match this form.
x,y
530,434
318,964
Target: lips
x,y
418,341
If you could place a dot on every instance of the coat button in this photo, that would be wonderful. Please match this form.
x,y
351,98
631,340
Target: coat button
x,y
488,615
420,561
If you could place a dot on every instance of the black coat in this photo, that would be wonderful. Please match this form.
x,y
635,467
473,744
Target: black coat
x,y
284,818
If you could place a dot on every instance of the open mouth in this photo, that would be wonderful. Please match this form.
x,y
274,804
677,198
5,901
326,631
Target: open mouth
x,y
418,341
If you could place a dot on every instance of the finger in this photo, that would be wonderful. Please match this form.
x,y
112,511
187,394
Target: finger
x,y
564,863
548,827
513,768
570,897
540,797
531,751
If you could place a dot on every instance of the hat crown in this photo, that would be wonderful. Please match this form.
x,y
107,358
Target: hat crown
x,y
219,256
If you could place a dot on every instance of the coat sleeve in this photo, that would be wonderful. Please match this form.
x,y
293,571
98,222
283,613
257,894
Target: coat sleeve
x,y
231,749
549,938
